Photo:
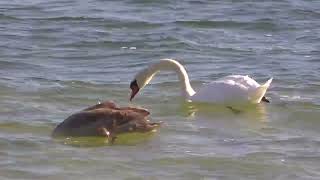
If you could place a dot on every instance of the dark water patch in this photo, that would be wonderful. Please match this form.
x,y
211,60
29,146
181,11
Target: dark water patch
x,y
109,23
149,2
197,2
266,25
48,32
310,41
18,65
235,51
137,25
24,7
70,18
260,24
212,24
304,14
8,17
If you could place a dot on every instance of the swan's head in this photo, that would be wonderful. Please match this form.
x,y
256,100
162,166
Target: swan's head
x,y
134,89
140,81
143,77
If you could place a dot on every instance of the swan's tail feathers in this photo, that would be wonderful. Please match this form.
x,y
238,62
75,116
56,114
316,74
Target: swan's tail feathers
x,y
260,92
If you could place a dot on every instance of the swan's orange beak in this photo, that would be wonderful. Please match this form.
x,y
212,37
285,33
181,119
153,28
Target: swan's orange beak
x,y
134,89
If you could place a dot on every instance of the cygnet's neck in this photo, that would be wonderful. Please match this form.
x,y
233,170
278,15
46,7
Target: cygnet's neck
x,y
173,65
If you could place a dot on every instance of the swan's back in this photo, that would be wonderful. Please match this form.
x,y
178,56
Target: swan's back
x,y
243,80
233,89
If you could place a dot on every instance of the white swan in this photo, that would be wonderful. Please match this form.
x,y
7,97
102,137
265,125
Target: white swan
x,y
233,89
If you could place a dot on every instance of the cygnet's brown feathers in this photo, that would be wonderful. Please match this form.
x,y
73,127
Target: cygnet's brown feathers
x,y
105,119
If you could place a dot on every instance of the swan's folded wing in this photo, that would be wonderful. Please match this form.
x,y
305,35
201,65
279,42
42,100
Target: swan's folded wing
x,y
221,92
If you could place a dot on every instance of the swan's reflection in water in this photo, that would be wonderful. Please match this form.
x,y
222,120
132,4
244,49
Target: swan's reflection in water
x,y
250,116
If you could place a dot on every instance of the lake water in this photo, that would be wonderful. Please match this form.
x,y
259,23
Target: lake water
x,y
60,56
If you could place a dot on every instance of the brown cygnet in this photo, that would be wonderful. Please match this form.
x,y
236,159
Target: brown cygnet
x,y
105,119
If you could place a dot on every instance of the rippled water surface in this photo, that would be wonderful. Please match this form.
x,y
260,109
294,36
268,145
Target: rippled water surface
x,y
59,56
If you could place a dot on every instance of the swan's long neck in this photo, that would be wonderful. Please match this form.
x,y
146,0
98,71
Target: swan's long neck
x,y
170,64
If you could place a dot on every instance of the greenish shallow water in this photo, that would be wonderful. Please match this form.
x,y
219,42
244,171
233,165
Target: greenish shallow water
x,y
57,57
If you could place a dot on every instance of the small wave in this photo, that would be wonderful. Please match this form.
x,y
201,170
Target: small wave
x,y
6,17
18,65
303,13
70,18
212,24
265,24
260,24
148,2
132,24
109,22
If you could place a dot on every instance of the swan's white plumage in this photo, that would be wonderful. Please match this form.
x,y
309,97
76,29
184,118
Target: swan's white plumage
x,y
226,90
231,89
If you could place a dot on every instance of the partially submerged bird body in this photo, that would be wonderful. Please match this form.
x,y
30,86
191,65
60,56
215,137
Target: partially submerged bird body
x,y
106,120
